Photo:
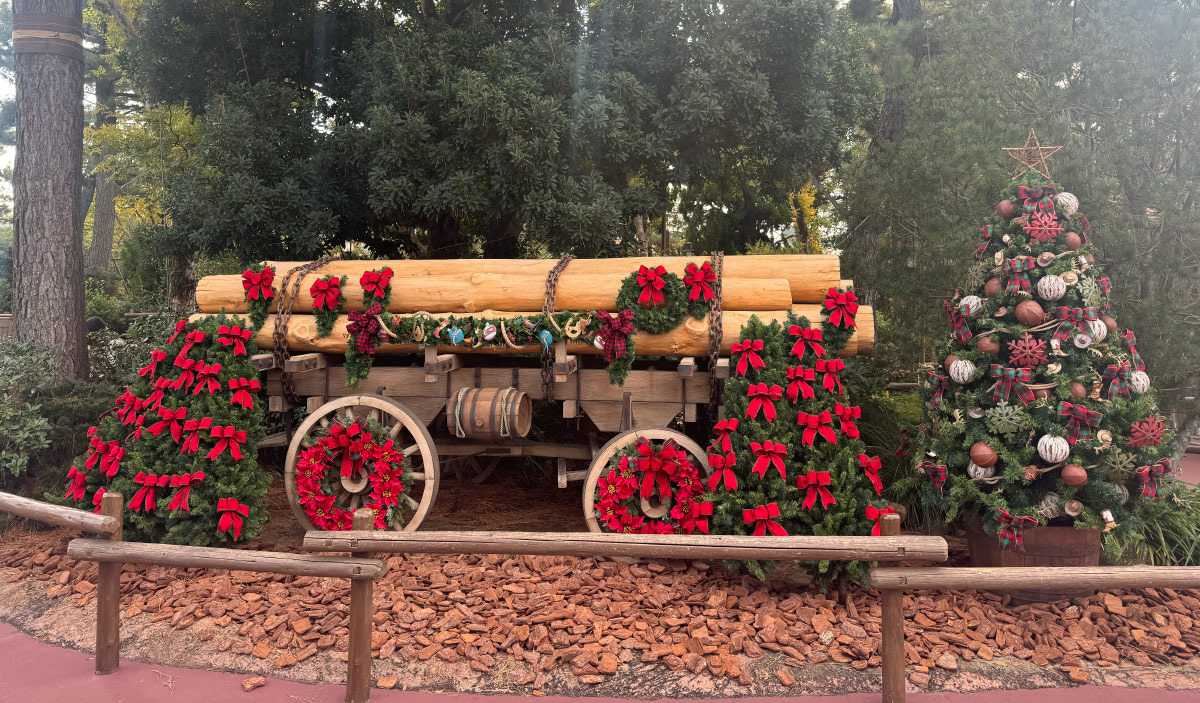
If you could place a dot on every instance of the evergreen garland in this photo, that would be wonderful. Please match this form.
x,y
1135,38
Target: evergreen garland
x,y
259,291
329,298
655,319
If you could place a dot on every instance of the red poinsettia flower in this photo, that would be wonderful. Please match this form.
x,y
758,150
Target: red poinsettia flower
x,y
613,486
656,527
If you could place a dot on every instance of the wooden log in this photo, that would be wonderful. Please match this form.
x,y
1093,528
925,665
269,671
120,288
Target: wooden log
x,y
108,594
214,558
980,578
59,515
892,626
688,339
362,608
807,547
472,292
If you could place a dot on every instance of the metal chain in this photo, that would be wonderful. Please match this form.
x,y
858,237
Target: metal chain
x,y
548,311
289,287
715,336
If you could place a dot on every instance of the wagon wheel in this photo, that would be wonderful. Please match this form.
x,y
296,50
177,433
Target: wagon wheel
x,y
621,441
410,437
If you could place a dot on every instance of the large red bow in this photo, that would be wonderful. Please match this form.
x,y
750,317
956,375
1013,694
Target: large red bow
x,y
232,515
936,474
815,483
748,348
1017,269
346,441
78,488
658,467
1118,378
128,402
155,356
842,307
1012,528
848,414
875,514
958,316
192,339
242,389
763,519
325,292
770,454
807,335
235,336
258,285
693,515
814,424
698,280
375,283
831,368
170,419
98,498
227,437
1152,477
193,428
364,328
722,472
800,378
206,377
184,483
1037,198
651,281
871,466
145,495
187,373
110,463
763,397
1009,379
615,332
179,327
722,430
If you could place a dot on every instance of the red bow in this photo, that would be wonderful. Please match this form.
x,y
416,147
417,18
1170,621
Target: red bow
x,y
875,514
1074,318
871,465
615,333
232,515
814,424
170,419
763,518
763,396
130,414
325,292
769,454
652,284
110,463
98,498
193,338
179,327
749,350
346,440
842,307
848,415
187,372
127,402
184,483
206,376
958,321
1080,421
1135,359
722,472
258,285
698,279
815,483
191,445
657,467
229,437
98,448
155,356
242,388
1009,379
722,430
145,495
807,335
985,234
78,488
236,336
375,283
936,474
831,368
800,377
154,400
1013,528
694,516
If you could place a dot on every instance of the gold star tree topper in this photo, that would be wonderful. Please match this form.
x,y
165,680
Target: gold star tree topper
x,y
1032,156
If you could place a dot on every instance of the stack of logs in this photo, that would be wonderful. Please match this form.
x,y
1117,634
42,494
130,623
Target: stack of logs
x,y
766,286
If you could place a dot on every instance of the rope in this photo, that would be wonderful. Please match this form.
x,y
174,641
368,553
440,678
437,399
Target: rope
x,y
289,287
548,311
458,401
715,336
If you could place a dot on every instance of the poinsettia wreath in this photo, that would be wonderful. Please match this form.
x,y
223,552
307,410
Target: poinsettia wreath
x,y
654,477
258,290
351,452
328,301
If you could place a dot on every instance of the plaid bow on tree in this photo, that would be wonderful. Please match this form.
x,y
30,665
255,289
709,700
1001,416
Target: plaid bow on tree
x,y
1009,379
936,474
816,484
1152,477
940,383
1012,528
1074,318
807,335
1130,341
958,316
1017,269
364,328
615,333
985,233
842,307
1037,198
1118,380
1080,421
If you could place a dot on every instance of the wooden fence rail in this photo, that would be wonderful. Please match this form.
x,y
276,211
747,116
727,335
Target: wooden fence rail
x,y
59,515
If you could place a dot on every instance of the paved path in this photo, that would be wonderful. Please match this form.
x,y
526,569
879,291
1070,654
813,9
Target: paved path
x,y
31,671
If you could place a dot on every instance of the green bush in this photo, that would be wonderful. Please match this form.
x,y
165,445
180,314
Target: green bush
x,y
116,357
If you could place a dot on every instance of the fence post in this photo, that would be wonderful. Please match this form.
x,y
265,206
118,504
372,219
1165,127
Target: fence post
x,y
362,607
108,595
892,602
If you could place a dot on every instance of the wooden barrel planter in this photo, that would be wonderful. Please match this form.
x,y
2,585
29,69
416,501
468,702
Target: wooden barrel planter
x,y
492,414
1044,547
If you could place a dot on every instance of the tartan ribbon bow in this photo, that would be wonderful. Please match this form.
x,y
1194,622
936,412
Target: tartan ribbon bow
x,y
1037,198
179,327
110,463
876,514
800,378
807,335
1152,477
697,279
848,414
258,284
816,482
375,283
190,340
242,389
749,349
364,328
171,419
1080,421
905,436
770,454
722,472
1105,287
871,466
722,430
831,368
763,519
348,441
1118,378
763,397
658,467
1017,269
145,496
1083,232
842,307
325,292
1012,528
155,356
187,373
985,234
651,281
234,336
193,428
615,333
184,483
936,474
161,384
78,488
1009,379
817,424
1130,340
958,316
694,516
227,438
1069,318
940,383
232,515
206,378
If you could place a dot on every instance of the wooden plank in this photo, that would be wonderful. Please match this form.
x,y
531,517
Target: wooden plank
x,y
59,515
564,364
722,370
687,367
892,605
457,447
278,439
278,403
438,364
807,547
362,607
183,557
606,414
979,578
263,362
299,363
314,402
108,594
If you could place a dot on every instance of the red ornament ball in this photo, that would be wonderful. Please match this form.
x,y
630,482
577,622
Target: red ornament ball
x,y
950,359
993,287
988,344
1109,322
1006,209
1074,475
983,455
1072,240
1030,313
1078,390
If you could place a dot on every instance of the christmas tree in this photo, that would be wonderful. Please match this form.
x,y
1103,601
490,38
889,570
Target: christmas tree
x,y
788,458
1040,409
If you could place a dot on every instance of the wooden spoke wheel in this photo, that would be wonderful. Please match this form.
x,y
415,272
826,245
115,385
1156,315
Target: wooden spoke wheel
x,y
652,507
409,436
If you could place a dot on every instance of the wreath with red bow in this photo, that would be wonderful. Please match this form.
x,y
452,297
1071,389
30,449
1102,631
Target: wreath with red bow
x,y
328,300
652,487
351,452
658,299
259,291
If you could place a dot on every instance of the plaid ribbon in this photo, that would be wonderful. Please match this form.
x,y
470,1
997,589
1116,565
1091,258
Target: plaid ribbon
x,y
172,420
184,483
722,472
232,514
749,349
842,307
364,328
651,281
985,234
800,378
325,292
242,389
815,483
958,321
193,428
1152,477
235,336
1074,318
155,356
1012,528
876,514
1017,269
615,333
145,496
1009,379
1080,421
1037,198
1130,340
1118,380
807,335
770,454
831,368
722,430
1106,288
763,519
227,438
817,424
206,377
78,488
936,474
871,466
763,397
848,414
1083,230
258,284
940,383
697,279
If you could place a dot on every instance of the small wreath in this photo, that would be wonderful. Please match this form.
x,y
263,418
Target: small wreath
x,y
652,488
257,287
328,301
657,298
377,287
353,453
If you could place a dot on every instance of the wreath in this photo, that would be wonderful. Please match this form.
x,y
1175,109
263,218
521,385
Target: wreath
x,y
657,298
652,488
259,292
352,452
328,301
377,287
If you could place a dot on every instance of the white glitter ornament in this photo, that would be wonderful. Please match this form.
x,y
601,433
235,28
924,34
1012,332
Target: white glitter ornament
x,y
599,343
1066,204
1053,449
1050,505
1139,381
1099,330
976,471
962,371
973,304
1051,287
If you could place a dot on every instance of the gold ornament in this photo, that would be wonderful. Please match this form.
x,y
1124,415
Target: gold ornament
x,y
1054,368
1105,438
1031,156
1070,278
999,258
418,332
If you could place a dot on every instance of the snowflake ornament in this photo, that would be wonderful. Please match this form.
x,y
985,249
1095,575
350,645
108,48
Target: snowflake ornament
x,y
976,276
1147,433
1089,290
1006,419
1027,352
1043,227
1120,464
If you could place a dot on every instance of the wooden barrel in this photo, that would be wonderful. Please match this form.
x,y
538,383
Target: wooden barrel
x,y
493,414
1044,547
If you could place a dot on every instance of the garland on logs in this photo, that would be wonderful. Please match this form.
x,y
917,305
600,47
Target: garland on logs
x,y
368,327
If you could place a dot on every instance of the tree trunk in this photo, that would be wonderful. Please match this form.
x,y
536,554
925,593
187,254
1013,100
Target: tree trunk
x,y
104,225
504,237
48,230
891,117
443,237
